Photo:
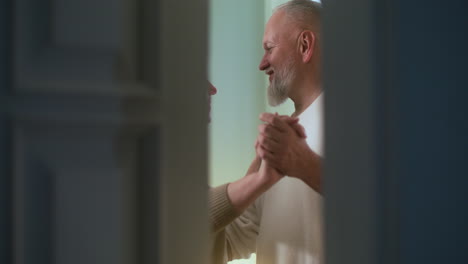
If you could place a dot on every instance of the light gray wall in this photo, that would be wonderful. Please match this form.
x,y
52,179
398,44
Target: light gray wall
x,y
235,50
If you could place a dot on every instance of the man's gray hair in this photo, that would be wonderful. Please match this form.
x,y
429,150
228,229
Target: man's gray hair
x,y
305,12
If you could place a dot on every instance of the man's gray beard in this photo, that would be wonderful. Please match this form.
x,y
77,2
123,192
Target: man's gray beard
x,y
281,84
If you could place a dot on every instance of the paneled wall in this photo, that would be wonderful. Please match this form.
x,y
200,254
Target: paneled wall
x,y
94,134
80,112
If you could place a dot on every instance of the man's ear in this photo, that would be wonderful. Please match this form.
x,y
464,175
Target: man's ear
x,y
306,45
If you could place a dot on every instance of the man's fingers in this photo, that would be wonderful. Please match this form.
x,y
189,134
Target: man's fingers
x,y
268,143
269,131
289,120
293,122
266,155
299,129
269,159
274,120
284,123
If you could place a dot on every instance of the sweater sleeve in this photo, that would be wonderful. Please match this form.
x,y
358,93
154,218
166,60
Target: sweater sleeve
x,y
234,234
221,211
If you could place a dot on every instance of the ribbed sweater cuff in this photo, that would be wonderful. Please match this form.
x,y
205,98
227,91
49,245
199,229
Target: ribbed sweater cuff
x,y
222,212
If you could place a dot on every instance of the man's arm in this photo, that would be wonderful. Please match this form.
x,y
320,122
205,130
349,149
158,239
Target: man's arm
x,y
290,154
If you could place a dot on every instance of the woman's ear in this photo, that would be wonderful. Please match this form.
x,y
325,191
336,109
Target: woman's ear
x,y
306,45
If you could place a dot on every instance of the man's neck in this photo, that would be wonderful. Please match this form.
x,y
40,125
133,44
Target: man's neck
x,y
304,98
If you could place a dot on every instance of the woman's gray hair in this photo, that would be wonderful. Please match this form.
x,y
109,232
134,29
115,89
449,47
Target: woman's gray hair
x,y
305,12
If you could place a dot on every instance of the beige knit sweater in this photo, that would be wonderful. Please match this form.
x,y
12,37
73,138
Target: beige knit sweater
x,y
221,214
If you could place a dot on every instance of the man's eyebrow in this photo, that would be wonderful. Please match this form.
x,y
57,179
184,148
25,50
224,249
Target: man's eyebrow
x,y
266,44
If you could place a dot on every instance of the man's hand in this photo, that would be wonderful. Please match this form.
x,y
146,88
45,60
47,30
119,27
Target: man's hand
x,y
293,122
286,150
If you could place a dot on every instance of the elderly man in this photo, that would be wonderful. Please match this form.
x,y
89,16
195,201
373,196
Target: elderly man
x,y
284,224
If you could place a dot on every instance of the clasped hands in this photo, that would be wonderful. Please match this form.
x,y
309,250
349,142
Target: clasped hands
x,y
283,149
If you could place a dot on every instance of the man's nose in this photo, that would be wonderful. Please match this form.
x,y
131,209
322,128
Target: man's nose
x,y
263,64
